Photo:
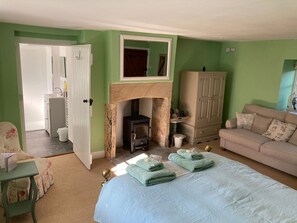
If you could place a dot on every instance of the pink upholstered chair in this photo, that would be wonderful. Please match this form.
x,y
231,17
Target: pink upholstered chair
x,y
18,189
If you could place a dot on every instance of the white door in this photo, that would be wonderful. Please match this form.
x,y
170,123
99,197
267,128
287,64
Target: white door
x,y
79,102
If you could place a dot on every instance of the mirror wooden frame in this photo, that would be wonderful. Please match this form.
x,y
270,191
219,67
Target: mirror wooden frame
x,y
144,38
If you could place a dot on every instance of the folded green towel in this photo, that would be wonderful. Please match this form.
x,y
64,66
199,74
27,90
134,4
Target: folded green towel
x,y
150,164
150,178
191,165
188,154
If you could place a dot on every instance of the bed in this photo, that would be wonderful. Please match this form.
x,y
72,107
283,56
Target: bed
x,y
227,192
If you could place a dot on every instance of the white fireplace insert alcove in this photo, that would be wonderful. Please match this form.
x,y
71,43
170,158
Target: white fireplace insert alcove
x,y
159,92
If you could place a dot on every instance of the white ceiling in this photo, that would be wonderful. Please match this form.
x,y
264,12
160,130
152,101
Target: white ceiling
x,y
229,20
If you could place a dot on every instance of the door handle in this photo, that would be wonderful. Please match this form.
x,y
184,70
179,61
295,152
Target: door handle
x,y
86,101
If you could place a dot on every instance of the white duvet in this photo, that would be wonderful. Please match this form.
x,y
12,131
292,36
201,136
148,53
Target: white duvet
x,y
226,193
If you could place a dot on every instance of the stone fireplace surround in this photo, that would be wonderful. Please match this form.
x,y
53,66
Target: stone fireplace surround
x,y
160,92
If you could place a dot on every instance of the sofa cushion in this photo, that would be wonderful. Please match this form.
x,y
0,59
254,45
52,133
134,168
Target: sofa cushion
x,y
293,139
291,118
280,131
280,150
244,137
261,124
231,123
244,120
267,112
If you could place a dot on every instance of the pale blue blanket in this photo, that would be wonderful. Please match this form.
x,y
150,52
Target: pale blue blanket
x,y
229,192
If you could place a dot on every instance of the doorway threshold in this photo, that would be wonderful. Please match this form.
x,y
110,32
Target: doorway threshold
x,y
40,144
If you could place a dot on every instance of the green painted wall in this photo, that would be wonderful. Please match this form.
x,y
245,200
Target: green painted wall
x,y
257,71
254,72
96,39
1,95
108,63
9,94
9,84
194,55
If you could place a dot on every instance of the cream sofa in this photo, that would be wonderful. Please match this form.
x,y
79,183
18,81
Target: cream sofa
x,y
253,143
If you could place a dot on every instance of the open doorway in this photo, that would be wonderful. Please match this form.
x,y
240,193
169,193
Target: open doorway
x,y
44,91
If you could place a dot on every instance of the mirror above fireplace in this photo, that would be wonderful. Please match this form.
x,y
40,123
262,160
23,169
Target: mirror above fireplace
x,y
144,58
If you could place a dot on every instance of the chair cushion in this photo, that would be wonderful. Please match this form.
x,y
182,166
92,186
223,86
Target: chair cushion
x,y
244,137
18,189
280,150
9,138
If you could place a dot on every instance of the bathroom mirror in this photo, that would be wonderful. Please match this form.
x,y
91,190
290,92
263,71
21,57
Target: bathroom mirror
x,y
62,66
144,58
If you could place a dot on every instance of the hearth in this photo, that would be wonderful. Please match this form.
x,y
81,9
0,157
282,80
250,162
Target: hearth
x,y
160,92
136,129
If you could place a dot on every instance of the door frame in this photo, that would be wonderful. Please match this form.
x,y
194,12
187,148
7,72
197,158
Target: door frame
x,y
36,41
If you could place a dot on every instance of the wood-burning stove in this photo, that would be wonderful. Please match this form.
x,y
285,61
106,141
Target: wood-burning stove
x,y
136,129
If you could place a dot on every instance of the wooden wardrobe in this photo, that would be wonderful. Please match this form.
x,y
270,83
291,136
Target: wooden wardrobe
x,y
202,98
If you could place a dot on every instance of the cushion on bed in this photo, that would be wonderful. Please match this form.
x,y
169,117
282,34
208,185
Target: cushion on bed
x,y
244,137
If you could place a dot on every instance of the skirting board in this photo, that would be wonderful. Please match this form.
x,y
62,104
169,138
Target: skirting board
x,y
99,154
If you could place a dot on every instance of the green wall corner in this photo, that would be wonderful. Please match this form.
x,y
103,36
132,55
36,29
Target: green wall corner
x,y
255,71
194,55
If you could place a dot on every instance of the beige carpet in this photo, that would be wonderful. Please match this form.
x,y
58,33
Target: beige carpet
x,y
74,195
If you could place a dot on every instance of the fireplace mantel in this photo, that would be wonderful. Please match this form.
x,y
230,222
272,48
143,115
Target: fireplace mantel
x,y
160,92
122,92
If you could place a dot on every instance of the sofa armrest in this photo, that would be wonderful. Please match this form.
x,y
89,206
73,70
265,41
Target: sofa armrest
x,y
231,123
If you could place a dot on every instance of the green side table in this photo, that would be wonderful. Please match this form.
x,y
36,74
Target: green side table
x,y
26,169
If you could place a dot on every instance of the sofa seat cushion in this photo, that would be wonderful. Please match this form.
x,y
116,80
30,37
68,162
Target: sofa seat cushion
x,y
244,137
280,150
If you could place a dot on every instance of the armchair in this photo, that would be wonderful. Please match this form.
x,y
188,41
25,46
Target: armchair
x,y
18,189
